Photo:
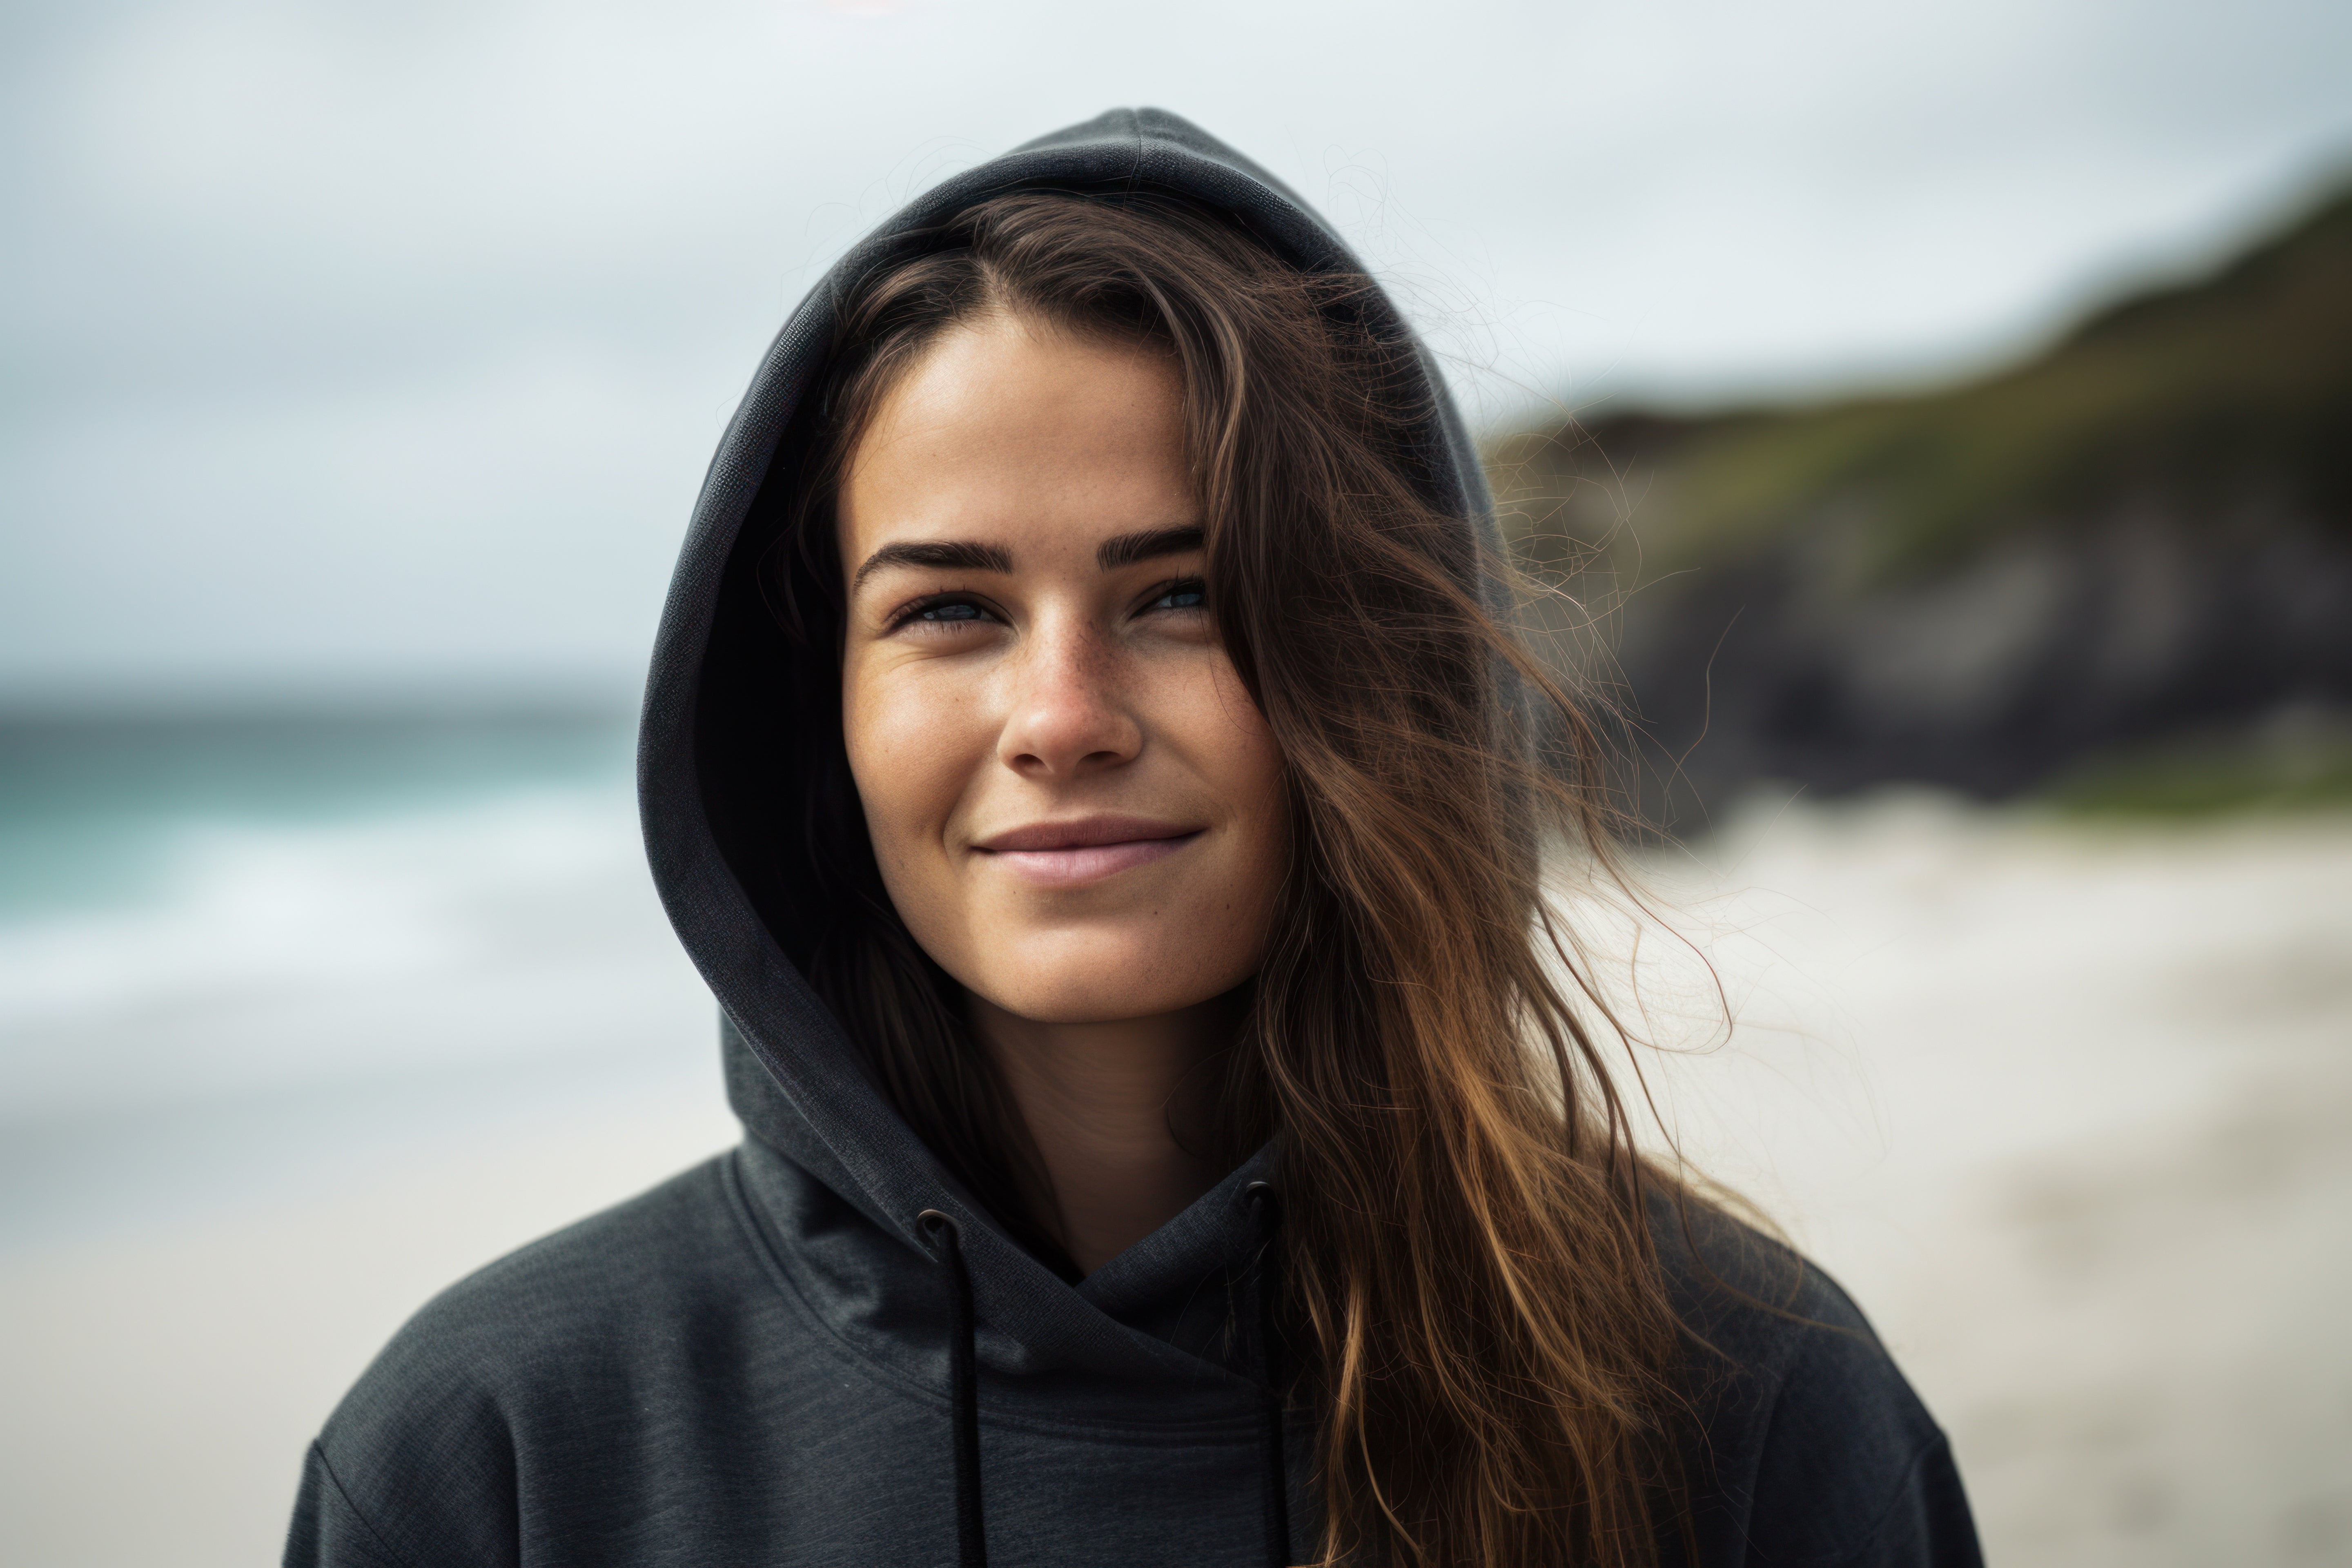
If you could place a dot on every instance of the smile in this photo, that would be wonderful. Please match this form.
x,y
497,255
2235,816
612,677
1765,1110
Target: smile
x,y
1073,854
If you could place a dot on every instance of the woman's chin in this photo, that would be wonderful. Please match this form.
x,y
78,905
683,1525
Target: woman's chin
x,y
1088,1005
1112,984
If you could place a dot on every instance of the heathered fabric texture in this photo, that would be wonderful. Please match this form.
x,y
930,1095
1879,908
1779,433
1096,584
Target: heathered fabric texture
x,y
749,1364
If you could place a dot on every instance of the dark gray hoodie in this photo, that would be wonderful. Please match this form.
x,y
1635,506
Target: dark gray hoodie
x,y
758,1361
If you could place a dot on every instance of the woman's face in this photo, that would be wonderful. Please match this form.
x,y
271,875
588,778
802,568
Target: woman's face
x,y
1077,810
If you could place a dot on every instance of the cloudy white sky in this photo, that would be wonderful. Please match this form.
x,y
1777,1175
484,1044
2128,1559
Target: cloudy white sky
x,y
374,343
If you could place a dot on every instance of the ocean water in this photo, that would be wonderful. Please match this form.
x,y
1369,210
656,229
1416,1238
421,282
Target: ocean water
x,y
94,811
236,954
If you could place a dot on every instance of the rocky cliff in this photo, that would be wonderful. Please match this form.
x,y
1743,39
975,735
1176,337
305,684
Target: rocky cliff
x,y
2144,533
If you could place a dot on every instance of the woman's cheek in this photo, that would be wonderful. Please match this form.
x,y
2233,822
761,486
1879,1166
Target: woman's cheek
x,y
910,763
875,733
1241,748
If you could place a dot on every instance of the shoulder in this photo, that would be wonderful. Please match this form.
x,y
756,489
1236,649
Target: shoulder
x,y
1757,1310
586,1285
548,1346
1811,1445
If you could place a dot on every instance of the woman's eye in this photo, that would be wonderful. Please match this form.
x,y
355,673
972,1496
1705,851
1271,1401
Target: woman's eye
x,y
1182,597
945,613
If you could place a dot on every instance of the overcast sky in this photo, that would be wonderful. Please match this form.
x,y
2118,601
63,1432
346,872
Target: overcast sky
x,y
373,343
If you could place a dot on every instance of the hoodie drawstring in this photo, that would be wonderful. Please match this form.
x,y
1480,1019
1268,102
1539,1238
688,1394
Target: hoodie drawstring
x,y
1266,1285
964,1379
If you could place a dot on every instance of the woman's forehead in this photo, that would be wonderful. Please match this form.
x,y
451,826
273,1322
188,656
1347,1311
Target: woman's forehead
x,y
1007,391
1038,445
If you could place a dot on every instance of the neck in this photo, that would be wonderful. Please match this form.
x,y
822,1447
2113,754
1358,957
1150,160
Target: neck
x,y
1102,1102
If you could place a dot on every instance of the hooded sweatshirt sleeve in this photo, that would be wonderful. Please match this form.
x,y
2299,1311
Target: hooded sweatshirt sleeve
x,y
1814,1452
328,1531
540,1399
416,1467
1853,1473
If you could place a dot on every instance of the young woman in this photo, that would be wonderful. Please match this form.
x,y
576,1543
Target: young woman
x,y
1087,756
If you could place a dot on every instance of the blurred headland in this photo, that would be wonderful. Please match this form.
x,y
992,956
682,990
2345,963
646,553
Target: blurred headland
x,y
2119,573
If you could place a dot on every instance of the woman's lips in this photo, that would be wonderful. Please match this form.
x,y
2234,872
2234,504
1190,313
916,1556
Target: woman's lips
x,y
1070,854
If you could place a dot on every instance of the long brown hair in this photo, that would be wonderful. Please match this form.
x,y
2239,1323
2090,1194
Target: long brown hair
x,y
1468,1244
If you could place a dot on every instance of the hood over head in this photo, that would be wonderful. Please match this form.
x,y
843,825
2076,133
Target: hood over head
x,y
727,753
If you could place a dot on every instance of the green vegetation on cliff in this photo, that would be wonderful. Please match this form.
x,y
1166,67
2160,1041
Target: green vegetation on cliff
x,y
2223,398
2107,575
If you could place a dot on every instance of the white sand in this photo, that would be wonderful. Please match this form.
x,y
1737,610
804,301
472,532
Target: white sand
x,y
2070,1113
160,1388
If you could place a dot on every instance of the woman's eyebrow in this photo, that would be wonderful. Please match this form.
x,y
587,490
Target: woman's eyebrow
x,y
955,555
1129,548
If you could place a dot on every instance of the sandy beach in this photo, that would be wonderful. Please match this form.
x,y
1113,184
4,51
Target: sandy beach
x,y
2067,1108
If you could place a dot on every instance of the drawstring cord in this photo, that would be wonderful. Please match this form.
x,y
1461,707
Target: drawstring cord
x,y
1266,1285
964,1378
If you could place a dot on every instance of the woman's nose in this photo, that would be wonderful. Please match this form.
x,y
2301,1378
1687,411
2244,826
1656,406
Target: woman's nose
x,y
1069,713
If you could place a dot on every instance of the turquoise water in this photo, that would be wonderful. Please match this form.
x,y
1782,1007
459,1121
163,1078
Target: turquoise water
x,y
94,811
235,954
